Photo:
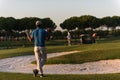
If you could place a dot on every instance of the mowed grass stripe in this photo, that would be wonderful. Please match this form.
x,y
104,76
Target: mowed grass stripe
x,y
86,56
18,76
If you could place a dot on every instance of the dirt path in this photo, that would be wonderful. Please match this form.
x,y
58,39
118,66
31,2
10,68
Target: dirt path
x,y
22,64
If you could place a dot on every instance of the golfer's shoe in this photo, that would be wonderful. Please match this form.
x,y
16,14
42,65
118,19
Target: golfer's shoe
x,y
35,72
41,75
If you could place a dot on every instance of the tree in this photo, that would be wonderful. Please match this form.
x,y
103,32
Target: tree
x,y
107,21
48,23
88,21
10,24
27,23
115,22
70,23
57,34
2,23
7,24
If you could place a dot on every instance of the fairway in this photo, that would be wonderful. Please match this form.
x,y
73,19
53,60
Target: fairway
x,y
18,76
85,61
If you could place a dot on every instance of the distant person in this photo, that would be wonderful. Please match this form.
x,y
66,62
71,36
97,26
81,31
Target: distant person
x,y
82,40
39,35
69,38
94,37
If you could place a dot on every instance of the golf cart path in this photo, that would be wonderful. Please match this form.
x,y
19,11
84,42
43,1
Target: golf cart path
x,y
22,64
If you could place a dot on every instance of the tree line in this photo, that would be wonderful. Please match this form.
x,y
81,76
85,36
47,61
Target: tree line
x,y
10,26
88,24
92,22
77,25
10,23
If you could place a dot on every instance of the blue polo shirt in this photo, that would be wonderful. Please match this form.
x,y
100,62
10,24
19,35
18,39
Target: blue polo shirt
x,y
39,36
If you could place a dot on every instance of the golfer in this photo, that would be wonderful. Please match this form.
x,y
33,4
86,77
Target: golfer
x,y
69,39
39,35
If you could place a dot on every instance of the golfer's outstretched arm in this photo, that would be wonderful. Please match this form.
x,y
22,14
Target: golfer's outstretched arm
x,y
49,31
29,37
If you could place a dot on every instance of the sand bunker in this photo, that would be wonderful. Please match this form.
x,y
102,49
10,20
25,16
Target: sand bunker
x,y
22,64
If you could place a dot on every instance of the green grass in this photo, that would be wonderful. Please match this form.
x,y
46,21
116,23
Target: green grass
x,y
103,50
12,44
18,76
87,56
56,46
52,49
16,52
5,53
90,53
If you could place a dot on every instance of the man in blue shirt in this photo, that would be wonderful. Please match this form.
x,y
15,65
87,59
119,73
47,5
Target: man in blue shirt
x,y
39,35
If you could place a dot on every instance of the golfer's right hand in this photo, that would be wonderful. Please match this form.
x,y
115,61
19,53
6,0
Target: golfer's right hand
x,y
27,31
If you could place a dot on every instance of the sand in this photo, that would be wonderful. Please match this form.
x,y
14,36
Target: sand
x,y
22,64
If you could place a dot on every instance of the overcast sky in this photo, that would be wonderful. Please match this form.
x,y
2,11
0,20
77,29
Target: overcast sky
x,y
59,10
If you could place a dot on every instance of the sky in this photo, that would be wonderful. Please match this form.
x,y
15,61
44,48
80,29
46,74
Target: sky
x,y
58,10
